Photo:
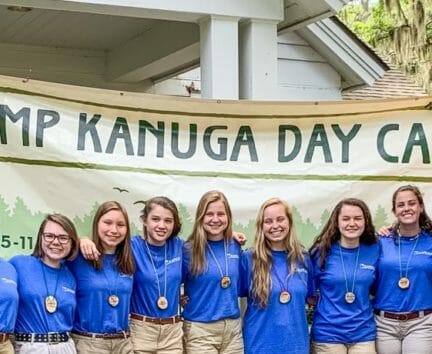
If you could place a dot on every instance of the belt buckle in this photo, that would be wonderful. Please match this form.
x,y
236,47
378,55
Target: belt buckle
x,y
403,317
53,338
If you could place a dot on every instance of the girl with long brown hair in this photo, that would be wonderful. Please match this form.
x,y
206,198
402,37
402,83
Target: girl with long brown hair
x,y
155,320
154,303
104,286
345,256
403,302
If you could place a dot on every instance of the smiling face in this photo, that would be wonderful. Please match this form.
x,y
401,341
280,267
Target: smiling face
x,y
215,221
351,225
54,251
159,225
112,229
407,209
276,226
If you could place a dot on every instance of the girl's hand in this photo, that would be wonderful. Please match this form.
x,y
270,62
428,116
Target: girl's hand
x,y
239,237
385,231
89,250
184,299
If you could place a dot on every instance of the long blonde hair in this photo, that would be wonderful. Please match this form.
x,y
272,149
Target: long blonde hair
x,y
262,257
198,237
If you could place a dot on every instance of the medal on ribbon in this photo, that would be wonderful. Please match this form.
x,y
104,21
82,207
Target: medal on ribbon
x,y
51,304
113,300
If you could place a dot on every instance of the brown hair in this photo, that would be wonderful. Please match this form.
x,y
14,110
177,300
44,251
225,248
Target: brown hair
x,y
67,225
198,237
425,222
330,234
124,259
165,203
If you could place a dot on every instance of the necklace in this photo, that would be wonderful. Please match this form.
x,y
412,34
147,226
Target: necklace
x,y
113,299
349,294
404,282
162,301
51,300
284,295
225,281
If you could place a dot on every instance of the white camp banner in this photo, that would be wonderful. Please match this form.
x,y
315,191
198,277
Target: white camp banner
x,y
66,149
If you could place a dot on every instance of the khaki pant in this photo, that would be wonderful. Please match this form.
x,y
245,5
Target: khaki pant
x,y
333,348
150,338
45,348
224,336
87,345
6,348
404,337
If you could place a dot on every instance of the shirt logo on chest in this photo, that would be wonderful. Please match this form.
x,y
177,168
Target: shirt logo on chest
x,y
174,260
68,290
367,266
422,253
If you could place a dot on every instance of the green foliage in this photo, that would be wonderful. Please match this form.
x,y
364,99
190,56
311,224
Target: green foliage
x,y
371,26
401,30
186,220
248,230
380,218
19,226
306,230
84,225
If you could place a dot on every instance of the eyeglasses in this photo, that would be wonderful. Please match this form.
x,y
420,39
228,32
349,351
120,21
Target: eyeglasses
x,y
49,237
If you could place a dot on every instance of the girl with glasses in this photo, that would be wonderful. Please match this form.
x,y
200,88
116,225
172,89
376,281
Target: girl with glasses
x,y
47,290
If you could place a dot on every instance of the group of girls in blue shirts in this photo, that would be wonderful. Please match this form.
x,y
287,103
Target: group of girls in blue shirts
x,y
121,294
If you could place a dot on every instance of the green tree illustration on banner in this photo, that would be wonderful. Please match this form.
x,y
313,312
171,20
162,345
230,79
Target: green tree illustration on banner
x,y
20,237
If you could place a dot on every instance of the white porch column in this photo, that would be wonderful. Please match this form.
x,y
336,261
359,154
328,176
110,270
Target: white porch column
x,y
258,59
219,57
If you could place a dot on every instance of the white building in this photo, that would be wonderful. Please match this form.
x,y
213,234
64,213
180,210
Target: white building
x,y
245,49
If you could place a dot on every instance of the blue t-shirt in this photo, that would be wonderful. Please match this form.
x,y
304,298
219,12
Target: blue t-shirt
x,y
389,297
145,292
94,313
335,320
278,327
208,301
8,297
32,315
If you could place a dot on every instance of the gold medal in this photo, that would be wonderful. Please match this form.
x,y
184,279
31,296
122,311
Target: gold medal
x,y
349,297
404,283
113,300
51,304
284,297
225,282
162,302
